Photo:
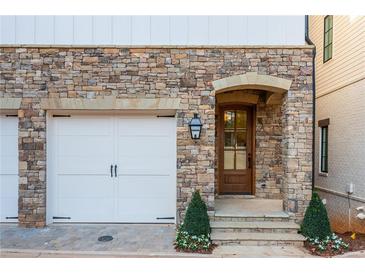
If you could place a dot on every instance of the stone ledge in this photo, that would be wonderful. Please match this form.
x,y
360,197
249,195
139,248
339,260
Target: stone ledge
x,y
110,103
10,103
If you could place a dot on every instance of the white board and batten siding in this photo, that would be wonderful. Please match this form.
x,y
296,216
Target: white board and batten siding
x,y
152,30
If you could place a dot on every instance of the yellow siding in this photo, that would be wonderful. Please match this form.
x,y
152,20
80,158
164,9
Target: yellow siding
x,y
348,58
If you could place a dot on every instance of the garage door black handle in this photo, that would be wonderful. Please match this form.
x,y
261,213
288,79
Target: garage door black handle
x,y
111,170
115,171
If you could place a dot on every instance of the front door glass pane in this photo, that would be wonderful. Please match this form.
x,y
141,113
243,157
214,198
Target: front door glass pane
x,y
235,139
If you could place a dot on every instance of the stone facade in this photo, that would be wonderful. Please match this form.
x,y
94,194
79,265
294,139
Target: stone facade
x,y
284,132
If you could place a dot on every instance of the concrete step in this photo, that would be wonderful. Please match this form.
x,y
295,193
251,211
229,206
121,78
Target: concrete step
x,y
257,239
265,227
249,216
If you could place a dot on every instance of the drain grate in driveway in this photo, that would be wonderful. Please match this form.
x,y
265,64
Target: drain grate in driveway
x,y
105,238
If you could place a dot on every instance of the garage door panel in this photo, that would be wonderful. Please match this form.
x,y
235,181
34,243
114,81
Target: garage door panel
x,y
78,186
133,210
145,166
9,126
158,187
159,146
84,126
145,126
83,165
100,145
86,211
9,165
9,182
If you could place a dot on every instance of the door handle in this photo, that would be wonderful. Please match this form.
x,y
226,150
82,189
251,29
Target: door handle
x,y
111,171
249,160
115,171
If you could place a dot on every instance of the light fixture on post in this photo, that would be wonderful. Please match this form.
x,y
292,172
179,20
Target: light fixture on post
x,y
195,126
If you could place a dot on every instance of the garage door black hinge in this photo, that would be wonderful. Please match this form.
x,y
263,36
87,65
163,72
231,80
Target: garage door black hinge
x,y
11,218
11,115
59,115
165,116
61,218
165,218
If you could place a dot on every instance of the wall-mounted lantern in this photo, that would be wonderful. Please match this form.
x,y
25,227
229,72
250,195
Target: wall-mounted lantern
x,y
195,126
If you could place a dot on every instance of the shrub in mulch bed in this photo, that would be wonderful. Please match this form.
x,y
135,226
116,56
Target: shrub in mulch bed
x,y
315,223
193,244
329,246
193,235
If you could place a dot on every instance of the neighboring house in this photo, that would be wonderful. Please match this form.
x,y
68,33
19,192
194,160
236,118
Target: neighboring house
x,y
340,115
96,112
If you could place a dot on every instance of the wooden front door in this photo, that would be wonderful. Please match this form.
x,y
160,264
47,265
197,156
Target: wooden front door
x,y
235,150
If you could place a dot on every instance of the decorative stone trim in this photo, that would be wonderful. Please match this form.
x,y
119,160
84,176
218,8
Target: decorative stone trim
x,y
8,105
252,80
110,103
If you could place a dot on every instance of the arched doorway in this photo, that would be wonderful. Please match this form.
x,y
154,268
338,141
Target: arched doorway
x,y
238,98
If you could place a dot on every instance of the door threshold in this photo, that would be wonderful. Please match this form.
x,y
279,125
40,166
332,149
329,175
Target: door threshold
x,y
234,196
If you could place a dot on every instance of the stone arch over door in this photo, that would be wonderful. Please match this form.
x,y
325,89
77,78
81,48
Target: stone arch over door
x,y
274,87
271,92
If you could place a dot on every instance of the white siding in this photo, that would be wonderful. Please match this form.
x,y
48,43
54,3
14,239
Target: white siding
x,y
64,30
44,29
152,30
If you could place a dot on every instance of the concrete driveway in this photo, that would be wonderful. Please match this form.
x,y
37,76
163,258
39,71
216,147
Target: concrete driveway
x,y
129,240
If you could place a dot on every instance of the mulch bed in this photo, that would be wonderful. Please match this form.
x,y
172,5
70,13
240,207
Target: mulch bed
x,y
201,251
354,245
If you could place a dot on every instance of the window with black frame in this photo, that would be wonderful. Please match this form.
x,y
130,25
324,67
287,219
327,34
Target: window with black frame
x,y
324,149
328,38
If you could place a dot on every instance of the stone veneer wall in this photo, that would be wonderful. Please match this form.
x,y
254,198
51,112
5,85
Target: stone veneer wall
x,y
186,73
269,135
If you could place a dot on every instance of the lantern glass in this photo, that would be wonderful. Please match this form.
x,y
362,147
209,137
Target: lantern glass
x,y
195,127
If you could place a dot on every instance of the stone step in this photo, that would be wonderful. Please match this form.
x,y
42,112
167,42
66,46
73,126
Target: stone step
x,y
277,216
265,227
257,239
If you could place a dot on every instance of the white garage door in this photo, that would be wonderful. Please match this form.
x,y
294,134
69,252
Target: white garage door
x,y
8,169
113,169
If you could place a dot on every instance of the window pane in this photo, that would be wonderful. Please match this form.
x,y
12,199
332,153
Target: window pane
x,y
330,37
229,139
229,119
326,26
330,21
228,159
325,54
326,35
241,119
330,51
241,140
241,159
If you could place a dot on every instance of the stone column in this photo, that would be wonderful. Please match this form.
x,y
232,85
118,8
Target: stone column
x,y
297,150
32,164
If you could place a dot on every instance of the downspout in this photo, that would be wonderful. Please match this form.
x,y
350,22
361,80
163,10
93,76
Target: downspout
x,y
309,42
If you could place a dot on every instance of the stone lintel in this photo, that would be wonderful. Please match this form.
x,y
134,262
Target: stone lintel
x,y
9,105
110,103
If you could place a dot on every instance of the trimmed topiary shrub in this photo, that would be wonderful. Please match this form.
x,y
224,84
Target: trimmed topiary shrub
x,y
193,235
316,224
196,220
